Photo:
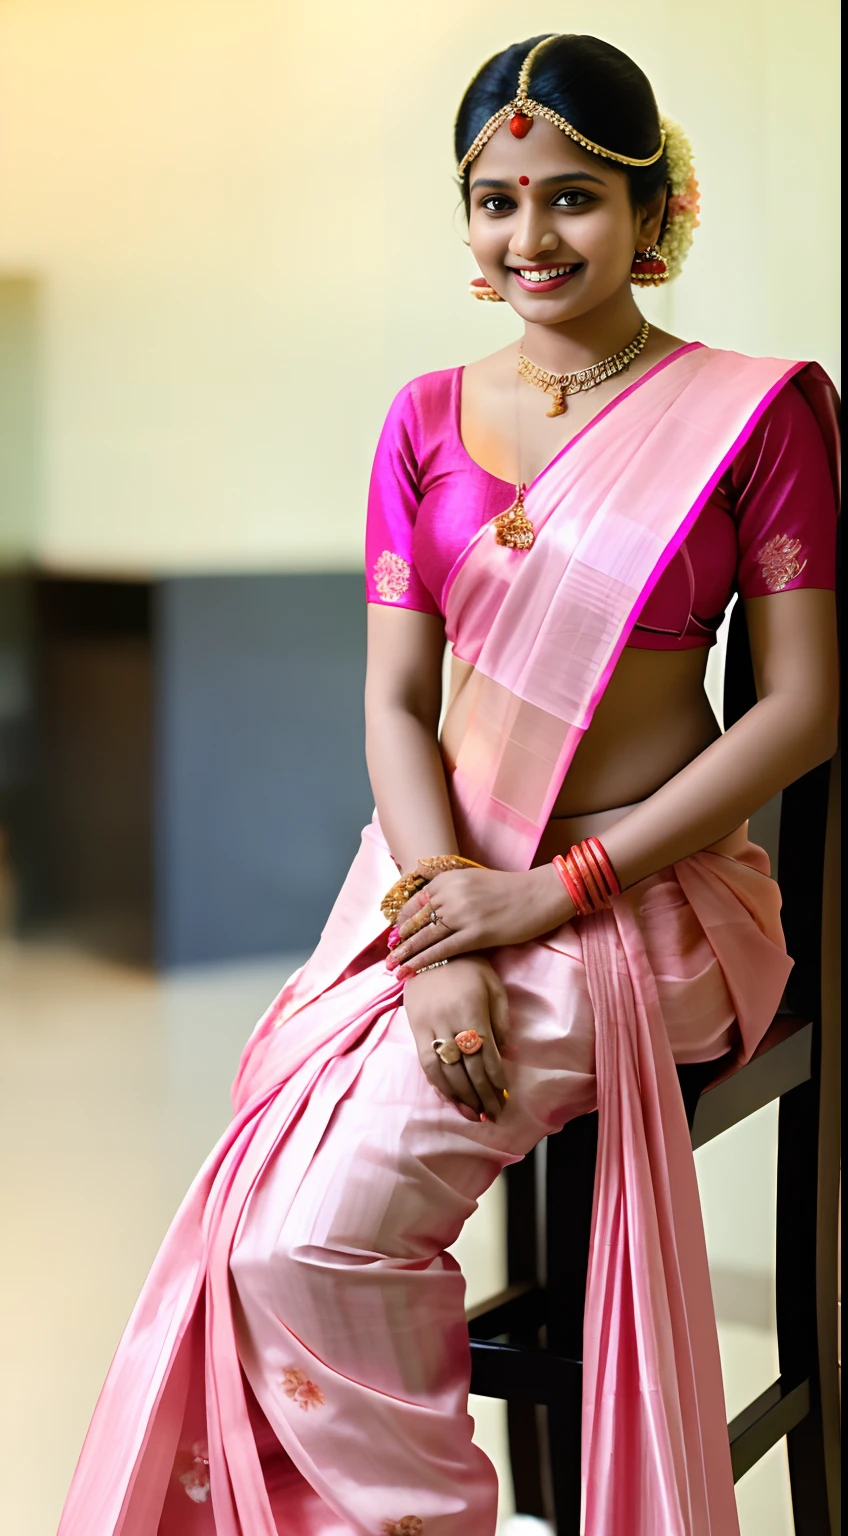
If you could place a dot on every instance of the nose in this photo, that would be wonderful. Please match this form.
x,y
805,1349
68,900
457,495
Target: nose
x,y
530,237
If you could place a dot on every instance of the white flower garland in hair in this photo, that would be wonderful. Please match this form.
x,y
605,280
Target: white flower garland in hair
x,y
684,198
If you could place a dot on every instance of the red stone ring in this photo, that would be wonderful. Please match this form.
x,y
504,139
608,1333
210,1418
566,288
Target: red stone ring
x,y
469,1042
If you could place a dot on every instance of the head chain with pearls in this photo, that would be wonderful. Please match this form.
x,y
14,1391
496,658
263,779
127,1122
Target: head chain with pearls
x,y
683,201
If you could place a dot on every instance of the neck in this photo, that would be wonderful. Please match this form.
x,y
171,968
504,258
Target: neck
x,y
577,343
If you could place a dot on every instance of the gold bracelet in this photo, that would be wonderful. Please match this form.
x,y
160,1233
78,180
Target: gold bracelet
x,y
400,893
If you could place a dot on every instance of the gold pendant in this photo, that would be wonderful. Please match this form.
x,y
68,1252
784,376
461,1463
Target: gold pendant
x,y
559,407
513,528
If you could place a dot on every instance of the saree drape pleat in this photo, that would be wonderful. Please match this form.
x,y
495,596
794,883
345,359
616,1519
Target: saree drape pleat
x,y
298,1360
655,1448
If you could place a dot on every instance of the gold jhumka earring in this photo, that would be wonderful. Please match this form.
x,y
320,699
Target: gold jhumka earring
x,y
480,289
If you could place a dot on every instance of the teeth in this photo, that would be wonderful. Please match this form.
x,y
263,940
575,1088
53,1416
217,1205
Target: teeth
x,y
545,274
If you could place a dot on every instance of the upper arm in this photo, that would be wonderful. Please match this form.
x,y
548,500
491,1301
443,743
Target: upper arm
x,y
794,652
785,502
405,654
406,638
394,495
786,514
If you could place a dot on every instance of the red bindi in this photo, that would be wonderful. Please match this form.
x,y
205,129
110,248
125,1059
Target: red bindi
x,y
524,181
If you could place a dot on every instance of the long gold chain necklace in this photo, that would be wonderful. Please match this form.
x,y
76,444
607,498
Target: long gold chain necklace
x,y
513,528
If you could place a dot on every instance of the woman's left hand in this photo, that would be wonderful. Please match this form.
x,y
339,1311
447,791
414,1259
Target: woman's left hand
x,y
477,909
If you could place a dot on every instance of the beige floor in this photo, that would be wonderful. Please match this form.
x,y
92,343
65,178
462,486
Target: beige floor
x,y
113,1086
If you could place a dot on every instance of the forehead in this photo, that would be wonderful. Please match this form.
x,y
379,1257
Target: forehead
x,y
545,151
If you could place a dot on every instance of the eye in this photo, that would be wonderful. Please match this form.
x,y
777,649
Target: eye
x,y
572,198
497,197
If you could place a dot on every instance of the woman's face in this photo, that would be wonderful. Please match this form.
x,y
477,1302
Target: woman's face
x,y
542,203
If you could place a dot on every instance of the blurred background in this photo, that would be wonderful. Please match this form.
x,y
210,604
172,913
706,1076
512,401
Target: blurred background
x,y
228,234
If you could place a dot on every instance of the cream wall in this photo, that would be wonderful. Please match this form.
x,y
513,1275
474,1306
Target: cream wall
x,y
238,221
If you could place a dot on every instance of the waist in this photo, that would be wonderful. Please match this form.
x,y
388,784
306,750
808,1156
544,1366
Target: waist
x,y
562,832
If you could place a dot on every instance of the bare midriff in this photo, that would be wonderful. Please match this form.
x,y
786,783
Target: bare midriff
x,y
652,720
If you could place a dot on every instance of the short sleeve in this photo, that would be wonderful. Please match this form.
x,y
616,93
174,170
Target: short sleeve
x,y
785,503
393,500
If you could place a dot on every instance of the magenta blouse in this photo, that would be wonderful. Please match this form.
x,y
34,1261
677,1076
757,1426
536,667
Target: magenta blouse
x,y
769,525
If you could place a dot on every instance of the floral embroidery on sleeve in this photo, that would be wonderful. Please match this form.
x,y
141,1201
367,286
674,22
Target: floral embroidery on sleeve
x,y
409,1525
195,1478
297,1386
779,561
391,578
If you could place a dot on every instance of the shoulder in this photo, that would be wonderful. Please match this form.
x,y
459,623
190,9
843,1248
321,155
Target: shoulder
x,y
426,396
421,413
791,422
778,371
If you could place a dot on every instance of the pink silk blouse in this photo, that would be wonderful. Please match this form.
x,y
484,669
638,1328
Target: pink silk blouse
x,y
769,525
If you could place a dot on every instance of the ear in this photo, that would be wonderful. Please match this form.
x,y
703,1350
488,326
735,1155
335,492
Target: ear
x,y
649,220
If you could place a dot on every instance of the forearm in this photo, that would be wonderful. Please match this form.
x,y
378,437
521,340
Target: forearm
x,y
777,741
409,786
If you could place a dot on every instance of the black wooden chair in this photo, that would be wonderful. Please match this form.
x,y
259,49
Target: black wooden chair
x,y
526,1342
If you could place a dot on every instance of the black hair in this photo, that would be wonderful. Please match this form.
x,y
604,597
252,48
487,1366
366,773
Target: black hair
x,y
595,87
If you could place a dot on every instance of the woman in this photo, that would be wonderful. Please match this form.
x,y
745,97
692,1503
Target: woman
x,y
574,514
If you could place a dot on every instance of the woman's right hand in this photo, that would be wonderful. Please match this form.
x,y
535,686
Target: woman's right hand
x,y
465,994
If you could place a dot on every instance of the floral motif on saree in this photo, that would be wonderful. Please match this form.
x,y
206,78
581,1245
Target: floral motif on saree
x,y
297,1386
195,1478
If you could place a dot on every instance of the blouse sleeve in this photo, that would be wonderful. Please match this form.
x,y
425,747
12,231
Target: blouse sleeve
x,y
785,502
393,499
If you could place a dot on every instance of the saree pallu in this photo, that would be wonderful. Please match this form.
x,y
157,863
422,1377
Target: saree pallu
x,y
298,1359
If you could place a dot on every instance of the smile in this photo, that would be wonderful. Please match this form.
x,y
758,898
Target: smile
x,y
545,278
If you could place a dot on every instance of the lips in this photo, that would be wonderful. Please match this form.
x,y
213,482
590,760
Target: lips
x,y
564,272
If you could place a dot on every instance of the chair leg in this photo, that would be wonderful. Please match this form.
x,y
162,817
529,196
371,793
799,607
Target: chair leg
x,y
564,1442
572,1155
525,1448
525,1457
798,1306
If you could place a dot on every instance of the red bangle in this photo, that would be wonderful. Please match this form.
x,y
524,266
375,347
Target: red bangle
x,y
588,905
603,863
595,887
576,894
585,905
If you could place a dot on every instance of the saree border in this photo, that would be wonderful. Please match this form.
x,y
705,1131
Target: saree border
x,y
681,534
650,373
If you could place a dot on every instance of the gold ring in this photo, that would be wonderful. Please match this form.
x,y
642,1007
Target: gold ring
x,y
448,1052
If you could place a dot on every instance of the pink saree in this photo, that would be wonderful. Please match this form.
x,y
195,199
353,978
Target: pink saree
x,y
297,1360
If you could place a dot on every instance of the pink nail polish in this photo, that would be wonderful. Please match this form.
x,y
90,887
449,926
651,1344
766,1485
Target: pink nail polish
x,y
484,1117
403,972
394,937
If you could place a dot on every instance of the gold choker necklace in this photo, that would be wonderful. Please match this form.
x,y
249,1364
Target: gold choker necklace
x,y
562,384
513,528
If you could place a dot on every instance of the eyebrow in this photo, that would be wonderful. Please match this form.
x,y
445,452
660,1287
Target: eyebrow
x,y
547,181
